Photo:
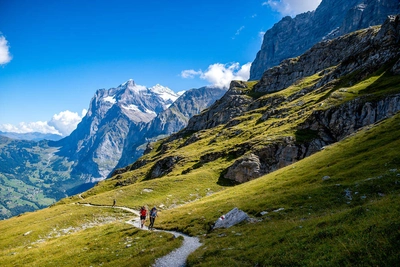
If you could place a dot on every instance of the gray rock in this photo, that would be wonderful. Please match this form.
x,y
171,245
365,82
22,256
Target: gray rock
x,y
364,51
326,178
244,169
232,218
291,37
164,166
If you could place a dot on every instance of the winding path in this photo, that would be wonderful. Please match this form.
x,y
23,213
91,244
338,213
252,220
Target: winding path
x,y
176,258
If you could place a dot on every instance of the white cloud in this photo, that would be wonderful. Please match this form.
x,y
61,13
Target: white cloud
x,y
29,127
66,121
292,7
5,56
190,73
62,124
220,75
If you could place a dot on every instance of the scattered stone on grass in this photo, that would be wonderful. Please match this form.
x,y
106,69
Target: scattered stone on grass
x,y
233,217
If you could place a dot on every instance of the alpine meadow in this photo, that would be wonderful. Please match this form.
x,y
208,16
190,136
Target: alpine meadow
x,y
306,151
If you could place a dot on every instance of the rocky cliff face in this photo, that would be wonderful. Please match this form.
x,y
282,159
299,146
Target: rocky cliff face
x,y
330,126
334,65
233,103
291,37
361,52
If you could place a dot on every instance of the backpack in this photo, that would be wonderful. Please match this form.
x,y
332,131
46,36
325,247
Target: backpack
x,y
143,212
153,212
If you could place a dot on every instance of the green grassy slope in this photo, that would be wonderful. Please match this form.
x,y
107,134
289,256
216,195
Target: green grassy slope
x,y
321,222
350,219
340,220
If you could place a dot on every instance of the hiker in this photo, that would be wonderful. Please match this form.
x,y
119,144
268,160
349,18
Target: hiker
x,y
114,202
143,213
153,215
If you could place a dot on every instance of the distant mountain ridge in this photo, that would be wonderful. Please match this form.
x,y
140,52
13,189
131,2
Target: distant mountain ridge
x,y
34,136
291,37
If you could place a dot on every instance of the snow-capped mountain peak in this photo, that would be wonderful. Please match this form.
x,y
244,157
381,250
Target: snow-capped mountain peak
x,y
164,92
132,86
128,83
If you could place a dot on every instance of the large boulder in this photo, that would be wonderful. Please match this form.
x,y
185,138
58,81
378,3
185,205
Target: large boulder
x,y
233,217
244,169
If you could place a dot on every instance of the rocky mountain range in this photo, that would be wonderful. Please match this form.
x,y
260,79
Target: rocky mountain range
x,y
291,37
322,104
96,145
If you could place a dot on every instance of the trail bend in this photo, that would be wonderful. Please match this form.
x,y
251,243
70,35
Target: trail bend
x,y
176,258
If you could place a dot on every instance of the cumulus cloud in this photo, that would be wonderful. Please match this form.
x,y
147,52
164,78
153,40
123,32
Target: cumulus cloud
x,y
62,124
5,55
292,7
190,74
66,121
220,75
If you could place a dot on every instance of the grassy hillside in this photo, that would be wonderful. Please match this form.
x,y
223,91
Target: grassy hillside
x,y
337,221
333,208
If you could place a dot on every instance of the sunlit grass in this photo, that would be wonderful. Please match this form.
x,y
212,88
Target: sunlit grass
x,y
334,208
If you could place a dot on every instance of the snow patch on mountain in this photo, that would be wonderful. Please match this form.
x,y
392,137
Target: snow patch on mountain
x,y
131,107
164,92
110,99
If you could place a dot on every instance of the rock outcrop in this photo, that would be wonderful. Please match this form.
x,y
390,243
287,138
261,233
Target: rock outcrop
x,y
330,126
364,51
360,54
291,37
232,104
336,123
163,166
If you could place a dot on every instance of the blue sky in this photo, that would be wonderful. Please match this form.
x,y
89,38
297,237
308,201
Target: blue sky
x,y
54,55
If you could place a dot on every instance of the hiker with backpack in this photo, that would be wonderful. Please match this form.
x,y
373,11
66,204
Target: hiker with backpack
x,y
153,215
143,214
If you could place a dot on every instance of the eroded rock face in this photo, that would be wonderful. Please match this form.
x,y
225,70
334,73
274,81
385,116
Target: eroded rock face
x,y
336,123
164,166
270,158
360,54
330,125
232,104
364,51
291,37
